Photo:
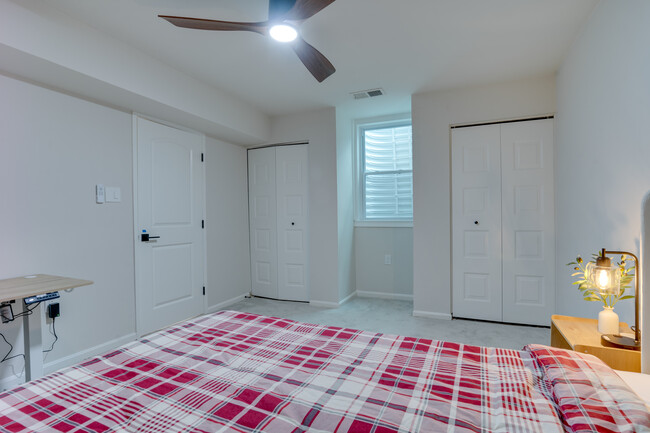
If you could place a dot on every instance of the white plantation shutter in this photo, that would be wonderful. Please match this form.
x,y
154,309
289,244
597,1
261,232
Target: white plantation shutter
x,y
387,173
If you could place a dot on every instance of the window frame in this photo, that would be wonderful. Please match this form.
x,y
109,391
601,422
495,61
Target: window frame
x,y
360,126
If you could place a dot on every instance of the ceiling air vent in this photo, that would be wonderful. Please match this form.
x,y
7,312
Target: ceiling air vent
x,y
368,93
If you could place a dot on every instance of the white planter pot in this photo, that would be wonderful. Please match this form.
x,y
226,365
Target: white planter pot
x,y
608,321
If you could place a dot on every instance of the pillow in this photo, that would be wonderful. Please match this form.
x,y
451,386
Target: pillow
x,y
590,396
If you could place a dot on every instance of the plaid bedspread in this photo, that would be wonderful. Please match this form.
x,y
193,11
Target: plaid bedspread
x,y
241,372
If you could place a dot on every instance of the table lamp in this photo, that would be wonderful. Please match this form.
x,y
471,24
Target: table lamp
x,y
607,279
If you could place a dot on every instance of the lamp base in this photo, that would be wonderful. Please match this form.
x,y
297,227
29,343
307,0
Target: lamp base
x,y
617,340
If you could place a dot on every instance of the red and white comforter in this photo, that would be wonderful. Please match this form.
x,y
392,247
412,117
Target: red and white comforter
x,y
241,372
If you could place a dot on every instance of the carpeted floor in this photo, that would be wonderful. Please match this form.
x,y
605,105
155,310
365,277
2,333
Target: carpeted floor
x,y
394,317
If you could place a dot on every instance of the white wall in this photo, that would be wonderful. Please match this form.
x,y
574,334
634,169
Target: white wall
x,y
53,150
228,252
374,277
319,129
42,44
432,115
345,204
603,142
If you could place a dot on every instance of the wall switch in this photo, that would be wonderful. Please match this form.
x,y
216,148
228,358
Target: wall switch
x,y
113,194
100,193
388,259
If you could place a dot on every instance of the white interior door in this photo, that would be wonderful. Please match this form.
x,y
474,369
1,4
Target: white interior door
x,y
262,206
528,222
476,222
292,183
169,203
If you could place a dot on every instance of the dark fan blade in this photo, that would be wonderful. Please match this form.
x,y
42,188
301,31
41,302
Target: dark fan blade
x,y
201,24
304,9
313,60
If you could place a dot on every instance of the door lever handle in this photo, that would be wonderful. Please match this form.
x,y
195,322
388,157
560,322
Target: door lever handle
x,y
146,237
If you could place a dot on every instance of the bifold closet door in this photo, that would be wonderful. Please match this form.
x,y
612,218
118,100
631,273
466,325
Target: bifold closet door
x,y
278,207
476,222
528,214
262,205
292,203
503,233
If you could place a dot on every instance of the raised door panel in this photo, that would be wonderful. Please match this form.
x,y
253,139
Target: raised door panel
x,y
263,222
476,223
292,183
528,222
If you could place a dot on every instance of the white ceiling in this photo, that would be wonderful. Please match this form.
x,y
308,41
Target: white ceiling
x,y
402,46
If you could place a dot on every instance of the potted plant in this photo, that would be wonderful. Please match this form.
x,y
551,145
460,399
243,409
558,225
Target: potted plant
x,y
607,318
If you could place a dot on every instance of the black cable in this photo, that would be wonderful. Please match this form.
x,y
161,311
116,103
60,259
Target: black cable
x,y
11,348
29,311
56,337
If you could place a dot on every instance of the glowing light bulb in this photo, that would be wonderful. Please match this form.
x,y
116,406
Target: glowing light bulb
x,y
283,33
603,278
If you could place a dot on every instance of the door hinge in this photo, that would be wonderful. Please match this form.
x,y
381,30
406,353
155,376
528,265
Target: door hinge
x,y
203,290
202,224
201,157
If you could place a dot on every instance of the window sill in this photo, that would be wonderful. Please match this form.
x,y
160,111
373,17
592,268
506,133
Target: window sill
x,y
383,224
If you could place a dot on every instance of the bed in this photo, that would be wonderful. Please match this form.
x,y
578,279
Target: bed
x,y
241,372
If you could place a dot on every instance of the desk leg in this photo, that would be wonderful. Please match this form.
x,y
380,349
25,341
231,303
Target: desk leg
x,y
33,344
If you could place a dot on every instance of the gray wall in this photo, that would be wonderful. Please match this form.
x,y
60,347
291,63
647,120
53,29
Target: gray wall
x,y
228,251
374,277
603,143
54,149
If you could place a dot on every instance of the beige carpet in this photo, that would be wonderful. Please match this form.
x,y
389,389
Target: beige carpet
x,y
394,317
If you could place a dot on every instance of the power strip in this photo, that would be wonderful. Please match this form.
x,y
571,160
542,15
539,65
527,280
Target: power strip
x,y
41,298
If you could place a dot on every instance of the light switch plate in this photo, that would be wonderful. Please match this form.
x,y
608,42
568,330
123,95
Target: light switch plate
x,y
113,194
99,193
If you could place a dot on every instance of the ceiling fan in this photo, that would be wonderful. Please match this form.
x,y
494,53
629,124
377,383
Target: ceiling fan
x,y
284,16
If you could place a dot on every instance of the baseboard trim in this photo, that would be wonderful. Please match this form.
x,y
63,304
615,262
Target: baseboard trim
x,y
221,305
328,304
348,298
324,304
431,315
11,382
88,353
384,295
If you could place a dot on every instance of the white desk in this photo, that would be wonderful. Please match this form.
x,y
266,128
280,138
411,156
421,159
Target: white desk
x,y
31,285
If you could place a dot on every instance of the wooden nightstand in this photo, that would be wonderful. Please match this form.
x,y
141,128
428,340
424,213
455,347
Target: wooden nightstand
x,y
581,335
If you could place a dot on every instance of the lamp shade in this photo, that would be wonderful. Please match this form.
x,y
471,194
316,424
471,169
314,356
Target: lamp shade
x,y
604,277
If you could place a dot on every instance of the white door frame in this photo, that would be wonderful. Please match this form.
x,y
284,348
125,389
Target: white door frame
x,y
136,229
550,116
275,291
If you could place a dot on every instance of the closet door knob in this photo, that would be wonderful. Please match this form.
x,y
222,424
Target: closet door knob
x,y
476,222
293,223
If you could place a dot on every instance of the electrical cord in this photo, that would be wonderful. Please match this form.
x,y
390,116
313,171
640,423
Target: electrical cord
x,y
11,348
29,311
56,337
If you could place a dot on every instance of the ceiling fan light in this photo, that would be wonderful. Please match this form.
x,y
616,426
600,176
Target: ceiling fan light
x,y
283,33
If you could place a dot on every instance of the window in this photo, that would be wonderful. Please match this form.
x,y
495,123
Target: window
x,y
385,171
